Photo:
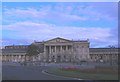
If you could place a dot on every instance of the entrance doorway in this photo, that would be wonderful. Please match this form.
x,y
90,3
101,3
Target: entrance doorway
x,y
58,58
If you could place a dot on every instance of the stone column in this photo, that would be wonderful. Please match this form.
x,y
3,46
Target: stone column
x,y
55,53
49,58
66,47
55,49
19,57
71,48
12,57
50,49
7,58
4,58
0,57
45,55
104,57
16,57
44,49
25,58
61,49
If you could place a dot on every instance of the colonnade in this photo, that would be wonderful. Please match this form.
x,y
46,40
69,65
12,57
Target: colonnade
x,y
104,57
13,58
58,48
57,52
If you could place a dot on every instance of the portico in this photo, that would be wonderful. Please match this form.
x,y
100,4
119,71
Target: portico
x,y
62,50
56,52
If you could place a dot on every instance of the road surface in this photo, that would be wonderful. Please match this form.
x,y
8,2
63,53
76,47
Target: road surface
x,y
17,72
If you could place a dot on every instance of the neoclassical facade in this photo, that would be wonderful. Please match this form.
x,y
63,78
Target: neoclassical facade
x,y
104,55
61,50
13,53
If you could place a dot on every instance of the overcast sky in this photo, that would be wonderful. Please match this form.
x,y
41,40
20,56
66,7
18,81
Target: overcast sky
x,y
22,23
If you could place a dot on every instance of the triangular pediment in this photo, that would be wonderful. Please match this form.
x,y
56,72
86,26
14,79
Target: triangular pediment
x,y
58,40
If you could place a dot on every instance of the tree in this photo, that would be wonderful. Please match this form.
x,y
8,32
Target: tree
x,y
33,50
111,46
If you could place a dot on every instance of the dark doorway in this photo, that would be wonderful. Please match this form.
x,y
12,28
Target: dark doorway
x,y
53,58
58,58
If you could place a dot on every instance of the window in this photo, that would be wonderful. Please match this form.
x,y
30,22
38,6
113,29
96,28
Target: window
x,y
91,57
95,57
53,56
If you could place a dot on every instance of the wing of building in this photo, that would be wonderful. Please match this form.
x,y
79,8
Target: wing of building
x,y
62,50
14,53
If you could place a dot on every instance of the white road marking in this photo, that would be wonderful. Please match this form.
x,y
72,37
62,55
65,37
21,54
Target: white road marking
x,y
43,71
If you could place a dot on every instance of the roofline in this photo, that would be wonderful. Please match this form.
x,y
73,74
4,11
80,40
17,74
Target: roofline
x,y
104,48
15,45
57,38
